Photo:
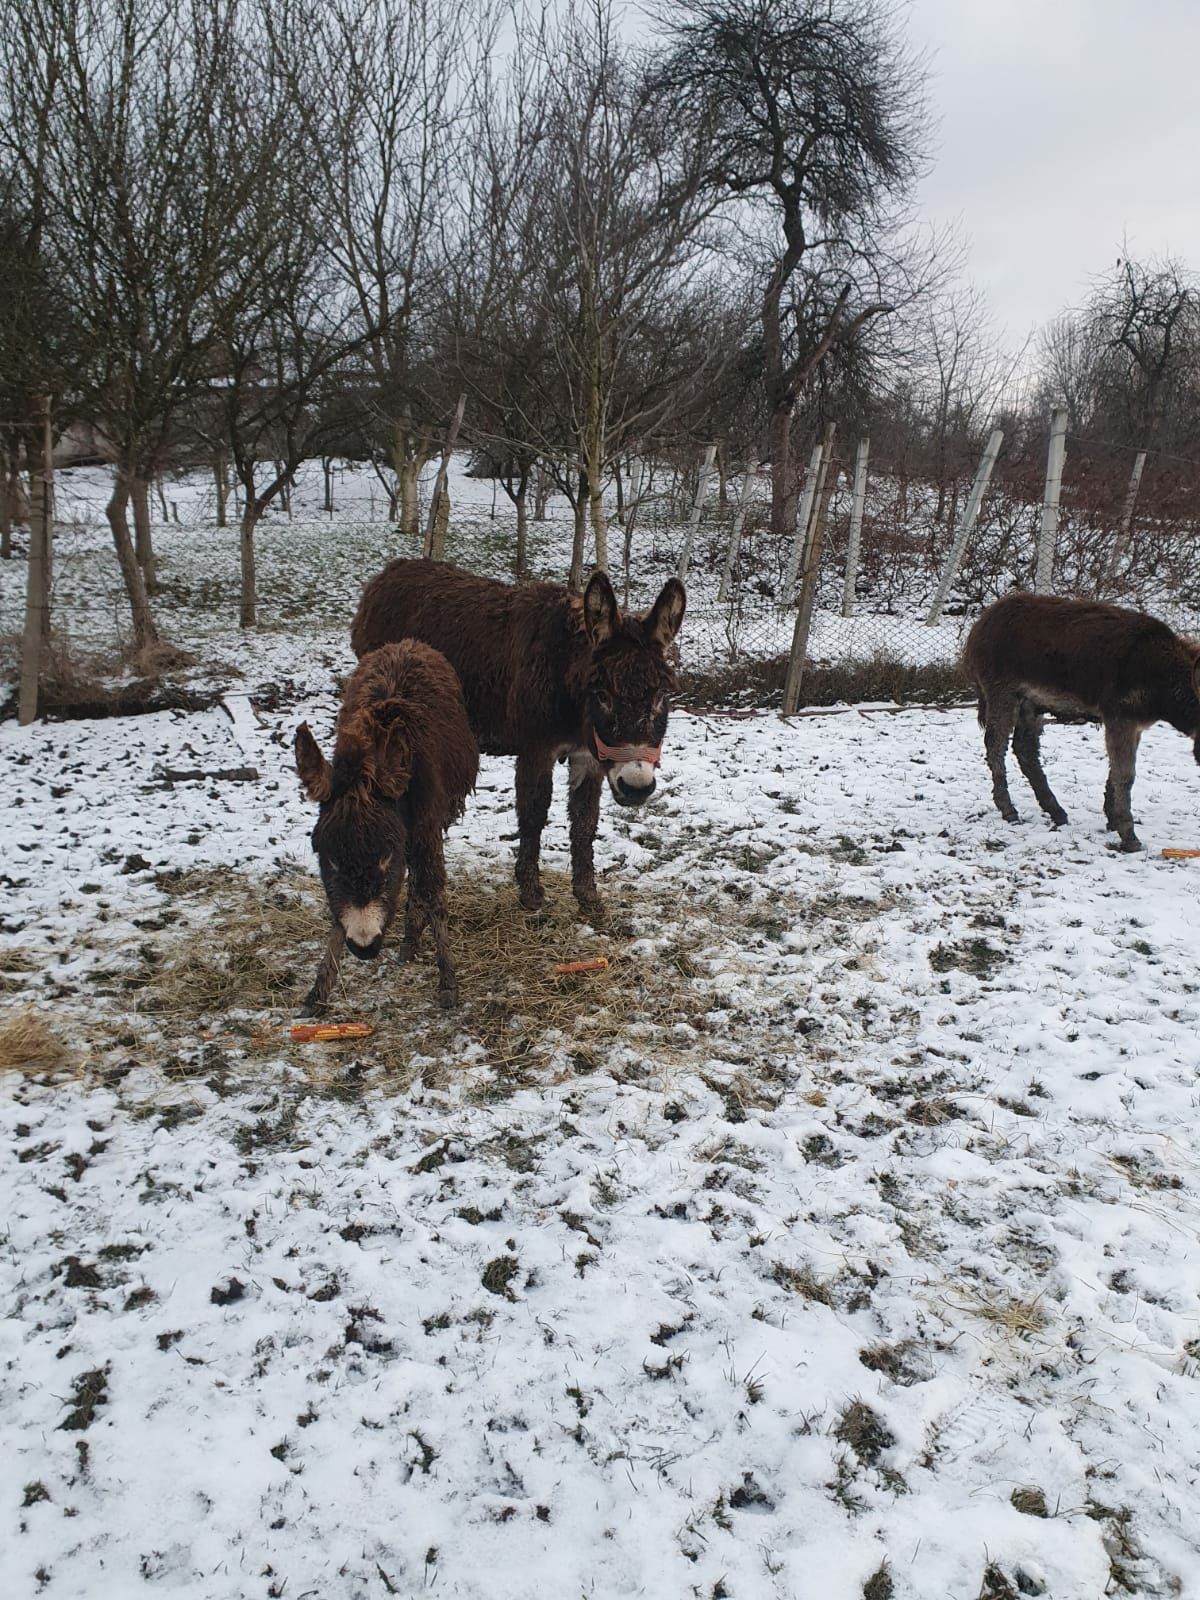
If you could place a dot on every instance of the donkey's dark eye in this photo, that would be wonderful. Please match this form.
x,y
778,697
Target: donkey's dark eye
x,y
604,701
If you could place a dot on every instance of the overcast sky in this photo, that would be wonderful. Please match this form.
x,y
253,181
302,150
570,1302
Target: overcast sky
x,y
1061,127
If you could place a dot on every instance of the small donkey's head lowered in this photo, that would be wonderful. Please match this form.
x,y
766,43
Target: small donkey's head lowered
x,y
361,832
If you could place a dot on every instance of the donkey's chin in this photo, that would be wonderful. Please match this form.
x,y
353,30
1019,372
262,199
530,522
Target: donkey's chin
x,y
632,783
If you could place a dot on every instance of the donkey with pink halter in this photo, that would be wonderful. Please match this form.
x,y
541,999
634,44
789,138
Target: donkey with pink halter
x,y
546,675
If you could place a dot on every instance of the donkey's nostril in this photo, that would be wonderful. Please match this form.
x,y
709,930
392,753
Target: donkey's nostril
x,y
634,796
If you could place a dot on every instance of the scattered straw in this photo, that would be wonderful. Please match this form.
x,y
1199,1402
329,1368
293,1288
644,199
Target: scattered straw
x,y
1014,1316
28,1044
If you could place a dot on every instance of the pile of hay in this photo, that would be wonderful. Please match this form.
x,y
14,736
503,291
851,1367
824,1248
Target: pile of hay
x,y
28,1043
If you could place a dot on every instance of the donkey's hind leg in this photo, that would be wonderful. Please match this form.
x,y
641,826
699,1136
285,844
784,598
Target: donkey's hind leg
x,y
1121,739
583,810
535,782
1001,714
427,868
1027,749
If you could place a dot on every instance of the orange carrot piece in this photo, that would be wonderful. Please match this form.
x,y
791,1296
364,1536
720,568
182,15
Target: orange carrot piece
x,y
596,964
1182,855
320,1032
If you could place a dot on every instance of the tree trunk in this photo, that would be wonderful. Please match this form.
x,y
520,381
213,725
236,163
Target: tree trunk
x,y
6,506
145,634
541,492
722,481
248,611
575,578
619,481
783,489
407,473
327,469
162,498
221,477
139,492
441,524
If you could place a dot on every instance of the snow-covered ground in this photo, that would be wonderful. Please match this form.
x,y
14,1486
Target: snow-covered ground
x,y
841,1241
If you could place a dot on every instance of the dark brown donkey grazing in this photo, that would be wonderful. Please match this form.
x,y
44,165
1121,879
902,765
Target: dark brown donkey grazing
x,y
1029,654
404,761
545,674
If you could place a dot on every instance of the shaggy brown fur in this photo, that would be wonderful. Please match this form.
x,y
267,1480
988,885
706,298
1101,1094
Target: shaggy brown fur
x,y
546,675
404,761
1029,654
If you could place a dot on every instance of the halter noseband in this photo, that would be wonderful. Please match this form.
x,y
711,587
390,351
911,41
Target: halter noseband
x,y
618,754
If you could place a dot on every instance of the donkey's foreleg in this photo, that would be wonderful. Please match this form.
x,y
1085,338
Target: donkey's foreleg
x,y
427,878
1121,740
534,788
1001,713
328,970
583,810
1027,748
414,921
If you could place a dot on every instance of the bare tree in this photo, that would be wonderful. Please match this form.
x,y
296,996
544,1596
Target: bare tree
x,y
815,113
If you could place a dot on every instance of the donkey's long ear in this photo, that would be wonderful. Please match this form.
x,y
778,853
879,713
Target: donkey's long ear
x,y
312,765
666,615
600,614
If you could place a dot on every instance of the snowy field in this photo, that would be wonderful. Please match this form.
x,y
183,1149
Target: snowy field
x,y
839,1242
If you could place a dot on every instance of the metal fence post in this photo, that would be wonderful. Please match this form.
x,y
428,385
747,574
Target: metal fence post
x,y
963,532
1044,572
685,555
857,507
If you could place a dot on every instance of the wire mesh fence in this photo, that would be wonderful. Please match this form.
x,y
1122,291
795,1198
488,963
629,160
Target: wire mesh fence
x,y
870,638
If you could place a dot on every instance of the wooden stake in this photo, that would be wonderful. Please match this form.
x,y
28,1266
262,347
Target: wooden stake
x,y
685,557
37,582
1121,543
857,507
809,578
1044,573
735,536
962,533
803,519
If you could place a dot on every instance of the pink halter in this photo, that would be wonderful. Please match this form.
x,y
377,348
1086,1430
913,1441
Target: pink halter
x,y
618,754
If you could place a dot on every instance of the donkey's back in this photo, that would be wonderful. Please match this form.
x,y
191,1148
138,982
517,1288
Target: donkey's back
x,y
506,643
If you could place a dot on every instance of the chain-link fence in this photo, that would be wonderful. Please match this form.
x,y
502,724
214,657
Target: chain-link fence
x,y
869,639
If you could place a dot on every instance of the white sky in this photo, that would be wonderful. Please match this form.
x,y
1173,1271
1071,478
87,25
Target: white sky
x,y
1062,126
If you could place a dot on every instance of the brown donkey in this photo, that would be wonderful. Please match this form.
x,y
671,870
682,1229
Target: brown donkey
x,y
546,675
1029,654
404,761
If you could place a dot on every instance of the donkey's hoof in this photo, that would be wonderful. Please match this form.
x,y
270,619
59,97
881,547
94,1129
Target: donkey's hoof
x,y
532,897
1130,844
311,1008
592,906
1058,817
1010,813
448,996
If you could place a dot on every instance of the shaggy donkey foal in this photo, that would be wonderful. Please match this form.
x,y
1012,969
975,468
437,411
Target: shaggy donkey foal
x,y
1029,654
546,675
404,761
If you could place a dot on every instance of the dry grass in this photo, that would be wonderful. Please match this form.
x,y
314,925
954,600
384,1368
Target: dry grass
x,y
28,1043
1014,1316
245,947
